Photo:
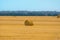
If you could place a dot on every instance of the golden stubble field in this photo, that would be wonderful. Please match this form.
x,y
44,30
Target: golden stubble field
x,y
44,28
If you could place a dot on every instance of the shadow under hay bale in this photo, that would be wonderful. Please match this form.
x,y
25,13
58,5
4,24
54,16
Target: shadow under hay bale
x,y
28,23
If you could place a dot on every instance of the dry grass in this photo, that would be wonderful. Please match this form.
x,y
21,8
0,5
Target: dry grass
x,y
44,28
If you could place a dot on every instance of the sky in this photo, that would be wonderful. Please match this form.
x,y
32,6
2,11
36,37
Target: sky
x,y
30,5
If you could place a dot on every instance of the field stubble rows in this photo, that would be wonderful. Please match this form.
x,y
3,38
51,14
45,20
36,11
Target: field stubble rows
x,y
44,28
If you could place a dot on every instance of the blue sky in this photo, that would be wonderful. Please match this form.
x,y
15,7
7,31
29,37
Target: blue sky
x,y
30,5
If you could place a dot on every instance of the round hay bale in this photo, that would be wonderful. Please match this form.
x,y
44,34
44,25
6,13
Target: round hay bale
x,y
28,23
58,16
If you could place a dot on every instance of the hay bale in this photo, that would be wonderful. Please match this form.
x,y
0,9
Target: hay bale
x,y
58,16
28,23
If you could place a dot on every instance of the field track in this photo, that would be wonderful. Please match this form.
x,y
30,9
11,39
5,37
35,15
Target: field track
x,y
44,28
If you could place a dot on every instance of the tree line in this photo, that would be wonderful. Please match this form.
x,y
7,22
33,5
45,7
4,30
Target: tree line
x,y
29,13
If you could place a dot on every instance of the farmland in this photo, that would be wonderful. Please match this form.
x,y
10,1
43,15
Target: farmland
x,y
44,28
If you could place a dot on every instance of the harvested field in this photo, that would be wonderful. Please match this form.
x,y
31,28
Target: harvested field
x,y
44,28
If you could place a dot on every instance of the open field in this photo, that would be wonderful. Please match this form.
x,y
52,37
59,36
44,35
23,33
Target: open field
x,y
44,28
